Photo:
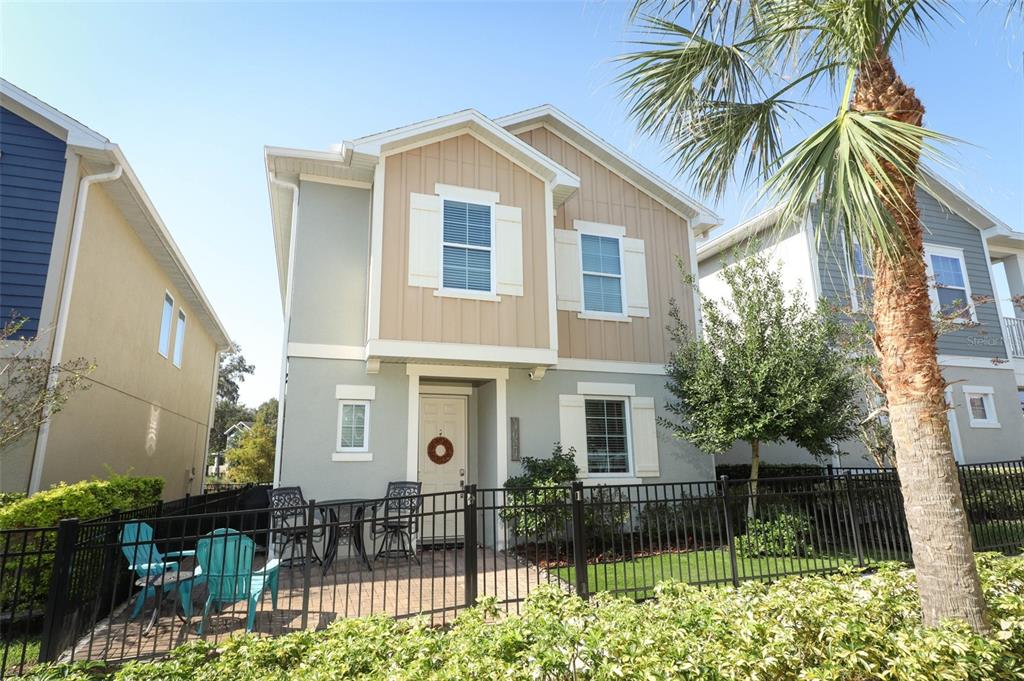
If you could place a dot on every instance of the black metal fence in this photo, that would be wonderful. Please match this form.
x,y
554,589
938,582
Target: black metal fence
x,y
436,554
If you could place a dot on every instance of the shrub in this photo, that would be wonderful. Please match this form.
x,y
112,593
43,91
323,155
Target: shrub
x,y
534,506
787,535
766,471
8,498
668,523
836,628
83,500
605,513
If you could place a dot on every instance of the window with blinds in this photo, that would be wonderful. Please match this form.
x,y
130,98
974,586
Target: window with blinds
x,y
467,246
607,436
602,273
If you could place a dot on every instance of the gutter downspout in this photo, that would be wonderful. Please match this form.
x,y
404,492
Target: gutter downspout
x,y
278,451
77,227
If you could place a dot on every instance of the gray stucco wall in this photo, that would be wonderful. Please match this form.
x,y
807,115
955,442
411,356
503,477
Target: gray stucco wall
x,y
331,263
981,445
536,405
310,428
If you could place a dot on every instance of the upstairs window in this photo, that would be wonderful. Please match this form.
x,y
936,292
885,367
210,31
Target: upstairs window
x,y
164,346
951,293
602,273
607,436
466,247
179,339
863,277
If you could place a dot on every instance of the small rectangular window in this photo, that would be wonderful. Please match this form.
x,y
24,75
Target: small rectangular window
x,y
179,339
607,436
602,273
981,406
353,426
165,326
466,251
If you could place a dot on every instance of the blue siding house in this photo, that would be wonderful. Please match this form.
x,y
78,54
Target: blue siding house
x,y
31,173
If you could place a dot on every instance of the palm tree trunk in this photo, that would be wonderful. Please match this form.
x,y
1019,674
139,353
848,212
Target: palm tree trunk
x,y
947,577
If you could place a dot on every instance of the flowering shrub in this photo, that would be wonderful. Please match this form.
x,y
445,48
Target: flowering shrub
x,y
844,627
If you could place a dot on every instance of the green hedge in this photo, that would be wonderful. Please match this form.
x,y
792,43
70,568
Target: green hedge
x,y
741,471
84,500
25,582
839,628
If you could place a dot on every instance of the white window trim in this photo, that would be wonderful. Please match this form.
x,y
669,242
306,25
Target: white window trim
x,y
365,447
354,394
178,352
462,195
600,314
631,472
170,326
854,279
987,395
949,252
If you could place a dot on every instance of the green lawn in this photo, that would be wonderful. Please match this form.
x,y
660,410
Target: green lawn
x,y
15,654
697,567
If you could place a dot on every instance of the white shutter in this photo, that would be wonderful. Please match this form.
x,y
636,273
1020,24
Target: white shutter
x,y
424,240
567,270
635,271
645,437
508,249
572,425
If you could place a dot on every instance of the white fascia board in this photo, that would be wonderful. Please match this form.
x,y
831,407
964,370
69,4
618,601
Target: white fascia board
x,y
702,218
471,119
963,205
755,225
74,133
461,352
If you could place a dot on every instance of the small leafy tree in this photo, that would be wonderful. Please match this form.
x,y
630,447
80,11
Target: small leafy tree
x,y
533,503
233,370
768,368
32,389
252,460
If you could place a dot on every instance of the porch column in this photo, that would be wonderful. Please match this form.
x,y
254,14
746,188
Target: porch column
x,y
411,461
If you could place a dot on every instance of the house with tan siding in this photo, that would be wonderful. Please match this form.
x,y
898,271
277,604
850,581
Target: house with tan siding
x,y
981,353
87,261
502,283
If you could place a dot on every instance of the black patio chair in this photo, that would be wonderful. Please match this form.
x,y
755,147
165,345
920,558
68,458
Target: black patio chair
x,y
399,521
288,526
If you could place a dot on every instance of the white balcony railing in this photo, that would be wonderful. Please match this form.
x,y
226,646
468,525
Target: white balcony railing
x,y
1015,332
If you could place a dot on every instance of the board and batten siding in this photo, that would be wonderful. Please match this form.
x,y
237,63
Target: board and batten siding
x,y
942,228
32,165
414,313
606,197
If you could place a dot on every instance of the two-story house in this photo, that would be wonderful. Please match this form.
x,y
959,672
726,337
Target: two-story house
x,y
86,260
977,351
465,291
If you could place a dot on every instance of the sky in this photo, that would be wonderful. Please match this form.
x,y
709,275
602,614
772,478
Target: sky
x,y
192,93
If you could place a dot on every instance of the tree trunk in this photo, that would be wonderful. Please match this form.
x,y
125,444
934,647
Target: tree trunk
x,y
947,577
755,468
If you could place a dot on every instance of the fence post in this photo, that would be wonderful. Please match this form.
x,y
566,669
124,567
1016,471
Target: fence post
x,y
723,485
579,539
851,508
57,598
307,561
469,547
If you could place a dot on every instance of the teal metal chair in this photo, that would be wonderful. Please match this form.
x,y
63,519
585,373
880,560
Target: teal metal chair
x,y
146,560
225,557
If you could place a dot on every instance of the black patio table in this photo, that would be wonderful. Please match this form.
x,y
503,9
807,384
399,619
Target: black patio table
x,y
355,510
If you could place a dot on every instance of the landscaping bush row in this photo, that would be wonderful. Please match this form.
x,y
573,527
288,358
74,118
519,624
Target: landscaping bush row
x,y
843,627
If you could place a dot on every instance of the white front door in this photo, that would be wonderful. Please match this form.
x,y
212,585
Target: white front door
x,y
442,421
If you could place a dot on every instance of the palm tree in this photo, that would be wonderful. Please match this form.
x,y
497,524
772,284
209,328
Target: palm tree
x,y
723,93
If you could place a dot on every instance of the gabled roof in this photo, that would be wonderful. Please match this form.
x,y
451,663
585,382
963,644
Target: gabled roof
x,y
745,230
99,154
701,217
993,230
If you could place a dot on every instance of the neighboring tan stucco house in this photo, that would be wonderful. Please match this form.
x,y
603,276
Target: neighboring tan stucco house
x,y
983,361
86,258
477,278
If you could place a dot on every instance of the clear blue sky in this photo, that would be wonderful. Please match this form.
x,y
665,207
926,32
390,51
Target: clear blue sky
x,y
193,92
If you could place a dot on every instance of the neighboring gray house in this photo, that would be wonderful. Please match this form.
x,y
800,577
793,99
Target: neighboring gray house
x,y
968,251
501,283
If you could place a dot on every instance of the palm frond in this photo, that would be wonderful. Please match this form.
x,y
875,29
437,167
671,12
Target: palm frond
x,y
844,167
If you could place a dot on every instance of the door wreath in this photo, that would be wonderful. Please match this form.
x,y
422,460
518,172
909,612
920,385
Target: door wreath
x,y
446,445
